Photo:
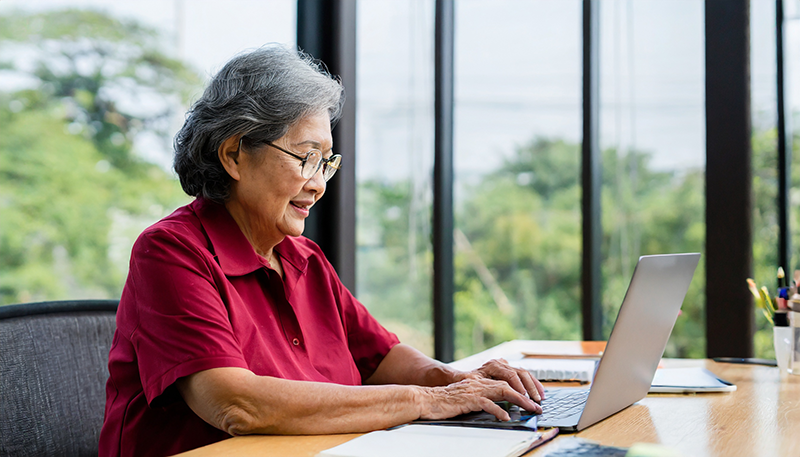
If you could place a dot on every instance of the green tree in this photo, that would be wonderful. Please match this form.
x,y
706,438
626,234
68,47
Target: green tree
x,y
652,212
518,244
521,243
394,259
523,223
765,223
91,64
73,193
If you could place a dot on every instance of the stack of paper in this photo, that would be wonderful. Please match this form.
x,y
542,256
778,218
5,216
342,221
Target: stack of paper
x,y
436,441
580,370
689,379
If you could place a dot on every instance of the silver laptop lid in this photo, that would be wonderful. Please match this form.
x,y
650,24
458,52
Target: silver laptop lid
x,y
640,334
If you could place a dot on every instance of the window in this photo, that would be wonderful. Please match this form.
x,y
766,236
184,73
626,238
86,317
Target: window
x,y
517,172
766,186
518,126
791,53
652,136
394,125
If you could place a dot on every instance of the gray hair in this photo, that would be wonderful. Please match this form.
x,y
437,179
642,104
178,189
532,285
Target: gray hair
x,y
259,95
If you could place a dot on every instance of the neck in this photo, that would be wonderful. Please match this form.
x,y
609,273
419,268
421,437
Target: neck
x,y
261,243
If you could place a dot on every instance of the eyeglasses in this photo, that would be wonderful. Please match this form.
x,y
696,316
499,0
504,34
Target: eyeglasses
x,y
312,162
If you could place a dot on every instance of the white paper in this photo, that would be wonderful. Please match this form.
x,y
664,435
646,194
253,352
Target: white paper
x,y
688,379
436,441
557,369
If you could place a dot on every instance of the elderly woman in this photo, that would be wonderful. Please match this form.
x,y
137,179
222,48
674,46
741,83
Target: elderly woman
x,y
232,323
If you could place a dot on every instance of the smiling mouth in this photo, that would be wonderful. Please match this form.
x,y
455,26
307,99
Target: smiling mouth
x,y
301,207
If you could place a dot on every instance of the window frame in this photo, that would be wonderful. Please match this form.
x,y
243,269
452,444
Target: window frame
x,y
326,29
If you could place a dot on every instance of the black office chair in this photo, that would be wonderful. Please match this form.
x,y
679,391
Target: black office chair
x,y
53,370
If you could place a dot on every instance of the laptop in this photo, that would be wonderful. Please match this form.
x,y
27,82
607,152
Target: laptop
x,y
635,346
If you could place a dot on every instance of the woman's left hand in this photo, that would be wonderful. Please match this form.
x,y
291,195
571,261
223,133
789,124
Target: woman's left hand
x,y
519,379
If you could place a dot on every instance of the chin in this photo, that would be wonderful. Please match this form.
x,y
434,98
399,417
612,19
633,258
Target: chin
x,y
295,231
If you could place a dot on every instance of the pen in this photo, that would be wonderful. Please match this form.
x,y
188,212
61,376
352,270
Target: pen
x,y
747,360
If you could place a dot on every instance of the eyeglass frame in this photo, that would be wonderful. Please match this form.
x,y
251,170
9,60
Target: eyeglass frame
x,y
304,160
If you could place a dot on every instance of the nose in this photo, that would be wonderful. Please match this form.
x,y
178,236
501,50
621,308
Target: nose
x,y
316,184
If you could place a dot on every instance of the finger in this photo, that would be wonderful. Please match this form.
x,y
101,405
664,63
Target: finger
x,y
494,409
534,390
539,387
530,385
500,370
522,401
512,377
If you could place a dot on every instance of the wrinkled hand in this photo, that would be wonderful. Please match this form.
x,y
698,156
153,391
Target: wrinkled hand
x,y
474,393
520,380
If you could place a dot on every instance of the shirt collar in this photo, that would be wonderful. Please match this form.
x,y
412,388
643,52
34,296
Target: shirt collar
x,y
233,251
294,256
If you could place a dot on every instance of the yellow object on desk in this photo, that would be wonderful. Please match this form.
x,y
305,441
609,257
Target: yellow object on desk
x,y
651,450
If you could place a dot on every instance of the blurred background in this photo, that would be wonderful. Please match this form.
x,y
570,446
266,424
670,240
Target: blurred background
x,y
92,92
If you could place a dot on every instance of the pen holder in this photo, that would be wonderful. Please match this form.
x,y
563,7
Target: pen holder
x,y
782,334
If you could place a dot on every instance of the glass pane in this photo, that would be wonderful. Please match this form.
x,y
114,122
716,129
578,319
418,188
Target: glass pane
x,y
763,93
517,171
766,228
94,93
791,52
652,133
394,167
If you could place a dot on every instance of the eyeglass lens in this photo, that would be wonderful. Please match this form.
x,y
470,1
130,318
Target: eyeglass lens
x,y
314,160
311,164
331,166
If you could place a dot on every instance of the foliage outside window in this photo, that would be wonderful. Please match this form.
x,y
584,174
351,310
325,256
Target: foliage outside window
x,y
74,195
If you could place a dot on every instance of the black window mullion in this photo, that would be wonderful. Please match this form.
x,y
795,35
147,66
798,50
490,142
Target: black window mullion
x,y
591,177
443,224
729,239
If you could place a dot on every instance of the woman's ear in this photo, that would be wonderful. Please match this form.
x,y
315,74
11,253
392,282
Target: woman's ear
x,y
228,154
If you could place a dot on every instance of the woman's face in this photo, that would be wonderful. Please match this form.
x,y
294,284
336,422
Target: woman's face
x,y
271,195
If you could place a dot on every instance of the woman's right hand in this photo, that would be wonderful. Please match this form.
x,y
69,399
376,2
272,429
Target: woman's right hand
x,y
471,394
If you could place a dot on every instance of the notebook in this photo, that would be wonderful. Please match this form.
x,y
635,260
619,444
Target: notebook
x,y
635,346
688,380
565,350
438,440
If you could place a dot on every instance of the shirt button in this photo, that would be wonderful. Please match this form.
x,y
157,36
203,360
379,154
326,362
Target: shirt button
x,y
296,342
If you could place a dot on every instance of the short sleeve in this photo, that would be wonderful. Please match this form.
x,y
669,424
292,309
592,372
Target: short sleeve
x,y
367,339
180,324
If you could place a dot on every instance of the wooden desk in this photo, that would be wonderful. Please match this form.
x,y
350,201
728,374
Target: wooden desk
x,y
761,418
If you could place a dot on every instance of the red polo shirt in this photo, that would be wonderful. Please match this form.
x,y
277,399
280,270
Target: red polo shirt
x,y
199,297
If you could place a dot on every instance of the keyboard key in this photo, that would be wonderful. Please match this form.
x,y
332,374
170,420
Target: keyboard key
x,y
563,403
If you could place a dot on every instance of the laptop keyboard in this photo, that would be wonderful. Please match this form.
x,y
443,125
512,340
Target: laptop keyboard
x,y
572,447
562,403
